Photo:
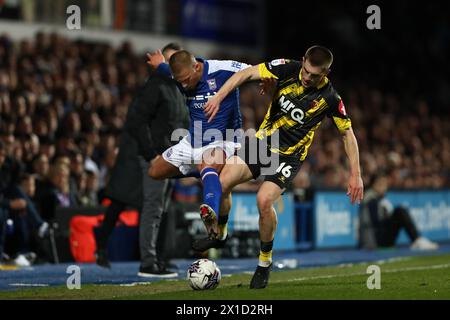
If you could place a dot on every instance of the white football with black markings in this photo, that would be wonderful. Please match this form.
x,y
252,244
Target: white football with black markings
x,y
203,274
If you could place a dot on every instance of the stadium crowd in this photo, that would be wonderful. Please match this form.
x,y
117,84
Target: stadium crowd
x,y
63,104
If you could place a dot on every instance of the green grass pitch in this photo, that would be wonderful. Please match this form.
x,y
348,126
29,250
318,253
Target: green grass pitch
x,y
426,277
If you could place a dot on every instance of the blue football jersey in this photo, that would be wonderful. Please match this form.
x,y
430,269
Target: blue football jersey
x,y
215,74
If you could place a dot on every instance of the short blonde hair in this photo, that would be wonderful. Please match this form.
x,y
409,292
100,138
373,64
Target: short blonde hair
x,y
181,59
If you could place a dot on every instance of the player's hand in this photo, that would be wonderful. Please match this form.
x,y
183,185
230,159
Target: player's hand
x,y
267,86
355,189
212,107
155,59
18,204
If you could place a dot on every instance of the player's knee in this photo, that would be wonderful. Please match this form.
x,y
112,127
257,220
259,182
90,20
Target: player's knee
x,y
216,166
226,185
151,172
264,203
155,174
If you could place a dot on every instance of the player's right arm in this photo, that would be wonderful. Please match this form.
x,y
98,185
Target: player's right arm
x,y
248,74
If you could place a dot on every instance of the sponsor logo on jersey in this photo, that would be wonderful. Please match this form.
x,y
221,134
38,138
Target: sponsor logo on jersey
x,y
199,101
236,65
287,106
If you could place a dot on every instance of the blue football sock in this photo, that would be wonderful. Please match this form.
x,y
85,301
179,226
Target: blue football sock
x,y
212,189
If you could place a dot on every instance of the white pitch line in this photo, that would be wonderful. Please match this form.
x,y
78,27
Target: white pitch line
x,y
29,284
436,266
133,284
330,276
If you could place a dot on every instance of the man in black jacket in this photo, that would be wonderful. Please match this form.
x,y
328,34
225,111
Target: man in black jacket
x,y
156,111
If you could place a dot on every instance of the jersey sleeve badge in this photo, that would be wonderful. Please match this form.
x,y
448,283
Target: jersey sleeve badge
x,y
277,62
341,108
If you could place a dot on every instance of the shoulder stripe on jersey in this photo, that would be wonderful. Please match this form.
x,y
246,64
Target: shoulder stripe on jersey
x,y
264,72
342,124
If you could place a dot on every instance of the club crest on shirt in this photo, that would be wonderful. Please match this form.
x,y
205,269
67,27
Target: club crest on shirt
x,y
212,84
314,104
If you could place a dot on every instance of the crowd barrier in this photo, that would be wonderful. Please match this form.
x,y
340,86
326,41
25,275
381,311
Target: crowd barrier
x,y
329,221
336,221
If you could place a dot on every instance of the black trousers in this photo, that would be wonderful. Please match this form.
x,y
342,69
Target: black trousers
x,y
391,227
156,195
111,216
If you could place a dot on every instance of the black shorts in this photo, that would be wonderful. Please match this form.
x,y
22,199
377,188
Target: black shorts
x,y
277,168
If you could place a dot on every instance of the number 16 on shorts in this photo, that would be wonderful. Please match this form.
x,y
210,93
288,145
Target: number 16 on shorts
x,y
285,170
285,173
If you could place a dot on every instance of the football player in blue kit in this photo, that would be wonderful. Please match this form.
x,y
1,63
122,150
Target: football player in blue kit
x,y
208,144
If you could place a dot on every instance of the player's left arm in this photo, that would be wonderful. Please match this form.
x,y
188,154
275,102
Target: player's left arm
x,y
355,189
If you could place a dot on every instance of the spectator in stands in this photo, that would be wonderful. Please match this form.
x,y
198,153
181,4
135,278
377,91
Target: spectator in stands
x,y
87,147
76,172
39,168
16,204
88,189
381,222
27,222
11,167
6,204
55,191
47,147
30,147
81,181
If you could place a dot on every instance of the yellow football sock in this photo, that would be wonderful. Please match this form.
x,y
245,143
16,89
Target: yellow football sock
x,y
265,258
